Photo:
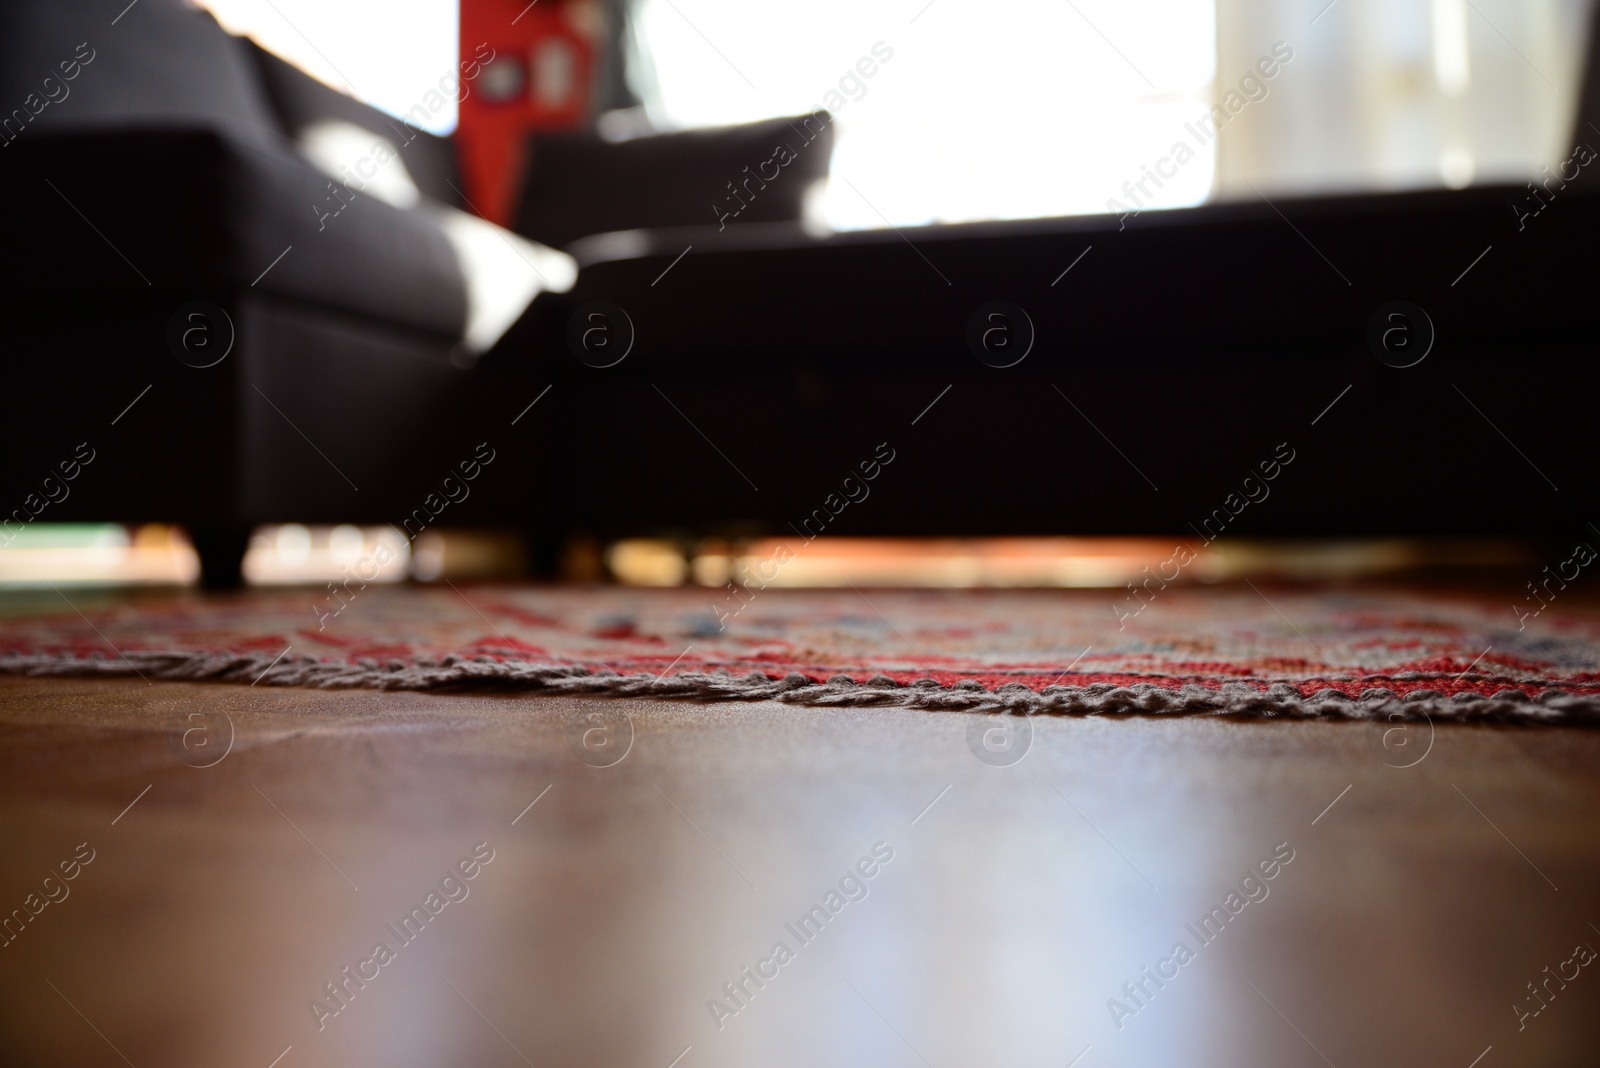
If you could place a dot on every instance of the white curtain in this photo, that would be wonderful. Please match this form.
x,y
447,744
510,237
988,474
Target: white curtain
x,y
1399,94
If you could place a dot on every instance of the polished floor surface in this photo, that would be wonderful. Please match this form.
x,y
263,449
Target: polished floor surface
x,y
947,889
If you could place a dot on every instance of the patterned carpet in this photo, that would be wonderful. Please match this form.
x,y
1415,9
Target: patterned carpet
x,y
1238,650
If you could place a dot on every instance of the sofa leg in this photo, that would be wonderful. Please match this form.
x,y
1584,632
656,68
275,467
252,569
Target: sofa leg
x,y
221,551
541,547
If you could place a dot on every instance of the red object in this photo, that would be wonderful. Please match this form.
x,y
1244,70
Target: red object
x,y
525,68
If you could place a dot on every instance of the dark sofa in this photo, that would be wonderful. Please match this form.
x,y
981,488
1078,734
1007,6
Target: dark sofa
x,y
164,175
1168,363
1174,358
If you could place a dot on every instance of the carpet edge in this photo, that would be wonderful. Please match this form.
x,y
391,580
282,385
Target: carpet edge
x,y
1552,706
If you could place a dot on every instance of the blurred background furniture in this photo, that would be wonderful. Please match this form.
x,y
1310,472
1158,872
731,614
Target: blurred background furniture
x,y
1145,399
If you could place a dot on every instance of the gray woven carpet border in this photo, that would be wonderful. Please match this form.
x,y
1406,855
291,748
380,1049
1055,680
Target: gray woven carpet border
x,y
1554,706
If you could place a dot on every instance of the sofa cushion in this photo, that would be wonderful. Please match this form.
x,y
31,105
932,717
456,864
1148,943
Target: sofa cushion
x,y
303,105
503,273
65,67
351,154
580,184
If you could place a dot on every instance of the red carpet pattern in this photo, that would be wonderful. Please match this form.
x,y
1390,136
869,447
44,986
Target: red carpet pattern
x,y
1369,654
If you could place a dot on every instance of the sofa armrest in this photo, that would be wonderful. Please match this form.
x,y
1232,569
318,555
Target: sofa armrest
x,y
113,212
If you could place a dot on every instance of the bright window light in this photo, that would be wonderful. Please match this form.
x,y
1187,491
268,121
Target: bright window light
x,y
388,53
95,554
1002,110
291,554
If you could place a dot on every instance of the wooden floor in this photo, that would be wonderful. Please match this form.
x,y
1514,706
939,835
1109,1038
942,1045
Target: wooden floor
x,y
221,901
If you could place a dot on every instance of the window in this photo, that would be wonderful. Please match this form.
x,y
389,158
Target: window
x,y
1000,110
1024,108
387,53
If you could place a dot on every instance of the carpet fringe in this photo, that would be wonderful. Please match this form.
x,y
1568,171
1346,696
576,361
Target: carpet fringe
x,y
1279,700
